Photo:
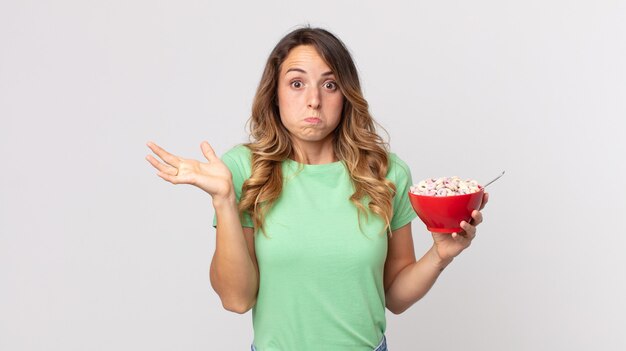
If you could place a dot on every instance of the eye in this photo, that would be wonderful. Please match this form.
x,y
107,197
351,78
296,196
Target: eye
x,y
330,85
296,84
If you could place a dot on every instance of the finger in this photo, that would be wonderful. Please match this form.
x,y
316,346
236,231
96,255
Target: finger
x,y
485,200
208,151
160,166
470,230
477,218
459,237
164,155
170,178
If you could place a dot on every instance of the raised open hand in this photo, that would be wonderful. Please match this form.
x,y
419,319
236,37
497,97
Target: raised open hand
x,y
213,176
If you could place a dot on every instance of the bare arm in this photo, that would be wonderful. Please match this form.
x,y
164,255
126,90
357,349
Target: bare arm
x,y
234,269
234,272
407,281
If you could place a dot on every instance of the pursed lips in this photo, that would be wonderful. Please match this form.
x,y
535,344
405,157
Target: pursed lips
x,y
313,120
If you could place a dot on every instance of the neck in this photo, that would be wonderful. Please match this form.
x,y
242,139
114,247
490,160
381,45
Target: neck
x,y
317,153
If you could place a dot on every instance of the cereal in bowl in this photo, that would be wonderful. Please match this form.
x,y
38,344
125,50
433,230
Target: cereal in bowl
x,y
445,186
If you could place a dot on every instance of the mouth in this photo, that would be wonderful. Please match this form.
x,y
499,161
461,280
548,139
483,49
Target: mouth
x,y
312,120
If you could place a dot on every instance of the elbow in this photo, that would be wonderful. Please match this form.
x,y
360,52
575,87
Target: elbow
x,y
239,307
232,302
395,310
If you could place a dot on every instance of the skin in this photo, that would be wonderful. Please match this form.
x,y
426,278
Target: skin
x,y
406,280
306,88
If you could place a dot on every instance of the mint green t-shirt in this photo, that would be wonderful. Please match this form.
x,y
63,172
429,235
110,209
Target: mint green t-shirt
x,y
321,278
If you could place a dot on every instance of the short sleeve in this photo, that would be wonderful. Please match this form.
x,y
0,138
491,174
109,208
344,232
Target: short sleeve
x,y
238,160
400,174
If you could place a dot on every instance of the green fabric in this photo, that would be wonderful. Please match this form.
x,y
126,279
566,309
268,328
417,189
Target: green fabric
x,y
321,285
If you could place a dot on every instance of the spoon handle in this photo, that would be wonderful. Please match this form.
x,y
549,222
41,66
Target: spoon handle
x,y
498,177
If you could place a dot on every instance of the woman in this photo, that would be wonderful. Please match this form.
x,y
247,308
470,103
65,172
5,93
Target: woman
x,y
312,218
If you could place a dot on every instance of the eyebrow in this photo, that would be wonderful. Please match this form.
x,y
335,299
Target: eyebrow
x,y
295,69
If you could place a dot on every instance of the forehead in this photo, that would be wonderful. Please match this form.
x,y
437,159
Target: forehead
x,y
304,56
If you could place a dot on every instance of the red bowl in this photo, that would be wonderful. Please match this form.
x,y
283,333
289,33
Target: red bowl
x,y
443,214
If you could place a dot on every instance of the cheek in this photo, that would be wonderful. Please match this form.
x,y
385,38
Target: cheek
x,y
287,110
335,104
287,98
284,103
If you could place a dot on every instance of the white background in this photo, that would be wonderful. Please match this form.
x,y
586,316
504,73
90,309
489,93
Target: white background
x,y
98,253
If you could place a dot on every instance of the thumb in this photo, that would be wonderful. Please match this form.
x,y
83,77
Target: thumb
x,y
208,152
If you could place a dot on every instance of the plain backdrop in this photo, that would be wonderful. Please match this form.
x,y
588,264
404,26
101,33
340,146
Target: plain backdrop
x,y
98,253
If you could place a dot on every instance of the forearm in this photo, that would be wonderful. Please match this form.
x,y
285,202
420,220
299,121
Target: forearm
x,y
414,281
233,274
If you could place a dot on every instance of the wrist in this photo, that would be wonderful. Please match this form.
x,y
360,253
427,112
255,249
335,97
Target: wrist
x,y
225,201
437,261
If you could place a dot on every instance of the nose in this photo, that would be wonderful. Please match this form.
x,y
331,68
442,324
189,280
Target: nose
x,y
314,98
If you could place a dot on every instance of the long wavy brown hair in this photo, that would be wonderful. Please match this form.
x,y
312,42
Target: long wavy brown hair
x,y
355,139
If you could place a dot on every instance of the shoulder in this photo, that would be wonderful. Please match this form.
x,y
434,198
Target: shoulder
x,y
238,151
397,168
240,157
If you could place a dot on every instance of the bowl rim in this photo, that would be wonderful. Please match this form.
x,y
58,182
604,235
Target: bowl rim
x,y
448,197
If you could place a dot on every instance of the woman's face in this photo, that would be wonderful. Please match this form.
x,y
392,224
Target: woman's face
x,y
309,99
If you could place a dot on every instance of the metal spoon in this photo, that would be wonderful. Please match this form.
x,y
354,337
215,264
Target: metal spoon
x,y
498,177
